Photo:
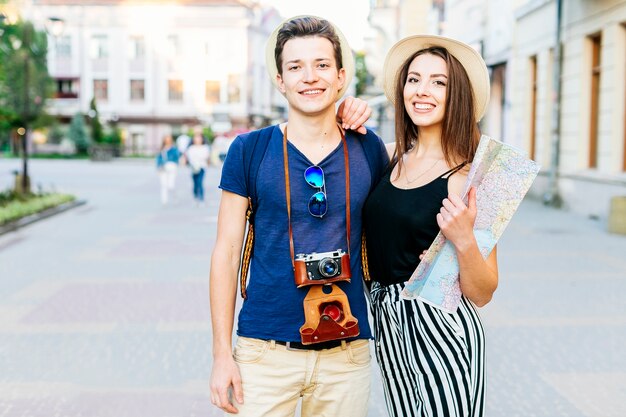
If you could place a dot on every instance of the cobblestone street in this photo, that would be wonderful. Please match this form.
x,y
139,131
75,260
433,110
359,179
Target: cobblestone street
x,y
104,308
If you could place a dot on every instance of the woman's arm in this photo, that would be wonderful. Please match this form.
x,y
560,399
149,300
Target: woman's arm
x,y
478,276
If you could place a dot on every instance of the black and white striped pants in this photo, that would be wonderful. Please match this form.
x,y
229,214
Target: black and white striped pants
x,y
432,362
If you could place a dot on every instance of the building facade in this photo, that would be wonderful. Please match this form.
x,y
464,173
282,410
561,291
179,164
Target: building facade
x,y
157,67
590,163
390,21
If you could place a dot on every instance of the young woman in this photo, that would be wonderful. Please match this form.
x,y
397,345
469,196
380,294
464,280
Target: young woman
x,y
167,166
432,362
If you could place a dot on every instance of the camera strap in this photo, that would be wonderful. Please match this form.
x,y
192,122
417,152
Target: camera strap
x,y
288,191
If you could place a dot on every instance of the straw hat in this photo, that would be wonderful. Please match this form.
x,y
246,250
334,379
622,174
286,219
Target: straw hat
x,y
469,58
346,54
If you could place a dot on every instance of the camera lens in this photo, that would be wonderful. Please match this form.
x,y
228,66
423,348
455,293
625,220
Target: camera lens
x,y
333,311
328,267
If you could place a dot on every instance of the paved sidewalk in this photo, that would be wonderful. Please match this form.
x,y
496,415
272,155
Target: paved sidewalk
x,y
104,309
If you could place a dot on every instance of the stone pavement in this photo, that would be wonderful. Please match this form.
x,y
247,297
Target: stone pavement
x,y
104,309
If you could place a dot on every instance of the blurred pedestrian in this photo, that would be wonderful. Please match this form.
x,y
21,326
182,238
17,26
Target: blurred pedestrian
x,y
167,166
197,156
182,143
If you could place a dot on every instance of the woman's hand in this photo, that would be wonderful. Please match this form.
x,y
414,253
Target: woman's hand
x,y
353,113
478,277
456,220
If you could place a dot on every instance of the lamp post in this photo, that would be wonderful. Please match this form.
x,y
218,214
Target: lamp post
x,y
29,52
55,26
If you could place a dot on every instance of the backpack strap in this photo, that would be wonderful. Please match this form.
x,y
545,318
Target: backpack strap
x,y
372,148
255,146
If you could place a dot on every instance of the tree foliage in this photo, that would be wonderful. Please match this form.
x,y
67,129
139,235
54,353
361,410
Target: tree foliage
x,y
24,81
78,134
361,74
97,133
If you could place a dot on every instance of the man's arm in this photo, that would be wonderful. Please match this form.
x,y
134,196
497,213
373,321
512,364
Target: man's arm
x,y
231,223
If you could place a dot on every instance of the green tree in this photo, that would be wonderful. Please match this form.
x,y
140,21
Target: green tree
x,y
97,133
78,134
207,133
55,134
361,74
24,82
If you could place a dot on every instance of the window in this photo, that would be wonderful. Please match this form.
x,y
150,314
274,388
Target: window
x,y
234,89
63,46
596,42
137,90
212,91
533,107
99,48
137,47
101,89
175,90
173,47
66,87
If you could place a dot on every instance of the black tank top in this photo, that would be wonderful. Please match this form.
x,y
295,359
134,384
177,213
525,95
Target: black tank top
x,y
400,224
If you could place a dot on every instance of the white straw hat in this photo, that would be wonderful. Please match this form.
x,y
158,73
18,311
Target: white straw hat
x,y
346,53
469,58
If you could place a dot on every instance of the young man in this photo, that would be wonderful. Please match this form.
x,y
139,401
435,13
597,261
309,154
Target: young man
x,y
273,365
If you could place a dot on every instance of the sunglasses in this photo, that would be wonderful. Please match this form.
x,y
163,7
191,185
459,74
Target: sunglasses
x,y
314,176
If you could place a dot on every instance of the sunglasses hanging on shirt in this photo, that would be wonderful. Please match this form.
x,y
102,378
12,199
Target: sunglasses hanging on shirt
x,y
314,176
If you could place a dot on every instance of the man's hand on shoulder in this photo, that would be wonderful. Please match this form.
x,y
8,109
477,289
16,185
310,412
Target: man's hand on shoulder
x,y
353,113
225,377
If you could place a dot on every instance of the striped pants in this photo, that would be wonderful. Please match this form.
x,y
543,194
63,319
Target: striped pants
x,y
432,362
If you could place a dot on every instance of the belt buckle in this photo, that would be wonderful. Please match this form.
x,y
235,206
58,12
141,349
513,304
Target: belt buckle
x,y
288,346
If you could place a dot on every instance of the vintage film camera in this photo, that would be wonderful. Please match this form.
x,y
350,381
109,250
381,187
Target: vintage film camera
x,y
321,268
326,308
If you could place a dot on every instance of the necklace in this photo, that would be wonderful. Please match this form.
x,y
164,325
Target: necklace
x,y
406,173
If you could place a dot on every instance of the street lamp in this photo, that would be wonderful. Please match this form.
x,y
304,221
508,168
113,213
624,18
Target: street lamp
x,y
24,47
55,26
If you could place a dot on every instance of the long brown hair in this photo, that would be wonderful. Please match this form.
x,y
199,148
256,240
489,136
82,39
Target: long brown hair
x,y
460,133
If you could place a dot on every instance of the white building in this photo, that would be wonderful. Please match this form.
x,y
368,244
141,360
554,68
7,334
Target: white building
x,y
160,67
592,141
390,21
488,26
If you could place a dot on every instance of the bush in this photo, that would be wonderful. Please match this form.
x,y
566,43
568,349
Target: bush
x,y
78,134
55,134
14,206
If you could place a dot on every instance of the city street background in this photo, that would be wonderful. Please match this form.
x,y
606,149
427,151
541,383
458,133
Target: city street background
x,y
104,309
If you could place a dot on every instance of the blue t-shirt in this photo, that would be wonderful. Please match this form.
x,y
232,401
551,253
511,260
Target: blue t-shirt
x,y
274,309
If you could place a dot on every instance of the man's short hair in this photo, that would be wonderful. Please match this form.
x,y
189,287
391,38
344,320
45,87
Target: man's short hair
x,y
306,26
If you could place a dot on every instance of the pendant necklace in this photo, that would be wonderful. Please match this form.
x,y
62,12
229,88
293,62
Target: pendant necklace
x,y
406,173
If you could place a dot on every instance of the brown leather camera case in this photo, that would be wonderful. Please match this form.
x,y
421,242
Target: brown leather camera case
x,y
319,327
